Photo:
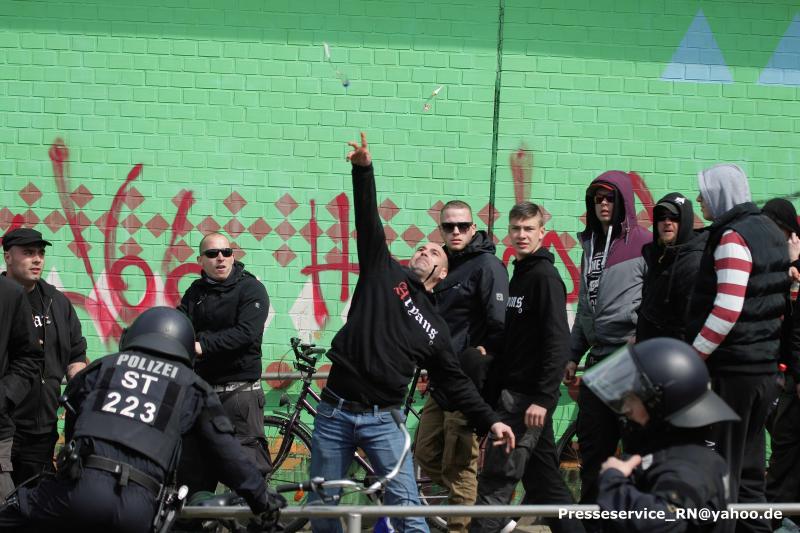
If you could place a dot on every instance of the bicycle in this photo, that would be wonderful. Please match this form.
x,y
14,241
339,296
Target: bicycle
x,y
329,492
289,438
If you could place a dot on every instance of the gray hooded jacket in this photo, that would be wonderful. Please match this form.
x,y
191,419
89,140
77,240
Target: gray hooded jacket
x,y
612,322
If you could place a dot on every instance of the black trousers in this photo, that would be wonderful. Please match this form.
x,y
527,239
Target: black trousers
x,y
783,475
598,437
32,455
533,461
246,411
743,444
94,503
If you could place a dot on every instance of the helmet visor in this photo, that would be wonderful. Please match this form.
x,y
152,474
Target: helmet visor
x,y
615,378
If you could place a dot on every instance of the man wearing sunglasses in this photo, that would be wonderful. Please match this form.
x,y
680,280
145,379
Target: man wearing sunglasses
x,y
228,308
612,269
673,259
472,300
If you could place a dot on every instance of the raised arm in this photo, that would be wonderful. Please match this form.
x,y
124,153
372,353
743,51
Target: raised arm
x,y
370,237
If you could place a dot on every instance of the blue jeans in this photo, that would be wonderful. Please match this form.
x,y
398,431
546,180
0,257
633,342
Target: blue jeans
x,y
336,435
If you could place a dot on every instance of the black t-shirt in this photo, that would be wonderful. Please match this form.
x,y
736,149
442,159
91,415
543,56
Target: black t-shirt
x,y
44,325
593,274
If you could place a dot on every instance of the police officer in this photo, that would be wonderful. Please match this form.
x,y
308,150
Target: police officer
x,y
662,385
130,411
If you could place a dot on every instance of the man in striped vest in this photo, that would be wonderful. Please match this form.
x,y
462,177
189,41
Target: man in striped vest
x,y
735,322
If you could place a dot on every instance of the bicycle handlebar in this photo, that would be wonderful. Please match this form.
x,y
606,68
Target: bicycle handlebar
x,y
304,352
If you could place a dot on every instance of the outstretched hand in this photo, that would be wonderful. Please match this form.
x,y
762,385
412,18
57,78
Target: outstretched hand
x,y
360,155
503,435
626,467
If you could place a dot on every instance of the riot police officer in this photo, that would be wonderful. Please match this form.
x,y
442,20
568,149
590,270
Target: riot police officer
x,y
664,387
131,410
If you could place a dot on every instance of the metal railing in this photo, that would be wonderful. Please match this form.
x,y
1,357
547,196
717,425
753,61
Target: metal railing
x,y
354,513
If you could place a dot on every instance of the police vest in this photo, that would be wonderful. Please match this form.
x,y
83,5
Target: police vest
x,y
136,403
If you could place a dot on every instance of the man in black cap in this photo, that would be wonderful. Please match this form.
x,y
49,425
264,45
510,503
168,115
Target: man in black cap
x,y
673,259
783,476
58,331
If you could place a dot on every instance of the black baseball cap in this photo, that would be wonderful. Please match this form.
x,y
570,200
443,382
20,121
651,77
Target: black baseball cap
x,y
667,206
783,213
23,237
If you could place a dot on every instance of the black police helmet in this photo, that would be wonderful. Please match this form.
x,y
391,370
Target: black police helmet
x,y
162,330
668,376
683,388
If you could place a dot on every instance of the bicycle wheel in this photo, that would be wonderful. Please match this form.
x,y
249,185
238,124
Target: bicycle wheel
x,y
291,457
569,460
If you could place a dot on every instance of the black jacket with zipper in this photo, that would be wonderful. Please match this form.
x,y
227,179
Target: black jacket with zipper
x,y
37,413
537,336
20,354
228,319
393,326
671,273
472,298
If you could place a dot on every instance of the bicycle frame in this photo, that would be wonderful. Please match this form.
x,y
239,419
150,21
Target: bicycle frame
x,y
305,363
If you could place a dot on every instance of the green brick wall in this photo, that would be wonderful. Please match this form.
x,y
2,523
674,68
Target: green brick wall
x,y
237,106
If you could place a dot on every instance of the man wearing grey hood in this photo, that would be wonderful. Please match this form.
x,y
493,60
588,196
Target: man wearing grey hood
x,y
735,322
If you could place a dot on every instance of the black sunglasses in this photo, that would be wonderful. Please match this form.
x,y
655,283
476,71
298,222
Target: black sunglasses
x,y
211,253
599,197
661,217
450,226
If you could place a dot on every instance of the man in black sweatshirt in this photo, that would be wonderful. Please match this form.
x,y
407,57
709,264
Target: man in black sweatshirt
x,y
391,329
20,363
528,374
228,308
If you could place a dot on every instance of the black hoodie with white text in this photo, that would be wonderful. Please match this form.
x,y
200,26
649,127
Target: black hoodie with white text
x,y
393,326
537,337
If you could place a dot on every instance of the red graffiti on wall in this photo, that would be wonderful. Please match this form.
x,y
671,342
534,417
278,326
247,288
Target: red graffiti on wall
x,y
111,318
111,309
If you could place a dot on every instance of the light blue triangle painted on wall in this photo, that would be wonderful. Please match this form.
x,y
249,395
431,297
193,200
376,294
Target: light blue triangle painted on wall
x,y
784,65
698,59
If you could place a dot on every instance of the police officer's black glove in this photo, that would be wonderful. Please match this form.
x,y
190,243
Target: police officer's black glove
x,y
268,512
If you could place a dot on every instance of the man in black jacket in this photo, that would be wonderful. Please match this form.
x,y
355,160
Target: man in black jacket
x,y
392,328
472,301
783,474
228,308
528,373
673,259
20,363
59,333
